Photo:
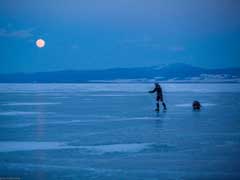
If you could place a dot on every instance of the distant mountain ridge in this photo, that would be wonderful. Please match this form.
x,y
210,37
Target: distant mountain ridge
x,y
169,73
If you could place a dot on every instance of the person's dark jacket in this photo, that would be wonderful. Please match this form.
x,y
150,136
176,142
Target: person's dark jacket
x,y
158,90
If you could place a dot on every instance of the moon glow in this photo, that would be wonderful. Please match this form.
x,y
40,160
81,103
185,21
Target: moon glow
x,y
40,43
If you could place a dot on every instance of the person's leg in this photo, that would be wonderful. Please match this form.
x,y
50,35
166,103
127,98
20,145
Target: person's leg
x,y
164,105
157,104
157,109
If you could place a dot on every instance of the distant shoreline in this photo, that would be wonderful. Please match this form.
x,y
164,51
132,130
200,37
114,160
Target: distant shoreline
x,y
174,73
163,82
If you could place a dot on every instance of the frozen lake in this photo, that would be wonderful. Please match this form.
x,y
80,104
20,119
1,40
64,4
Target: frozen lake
x,y
111,132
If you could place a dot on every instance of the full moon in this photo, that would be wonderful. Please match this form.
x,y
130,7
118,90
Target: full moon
x,y
40,43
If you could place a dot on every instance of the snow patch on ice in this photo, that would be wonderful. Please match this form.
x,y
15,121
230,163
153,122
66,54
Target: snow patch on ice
x,y
190,104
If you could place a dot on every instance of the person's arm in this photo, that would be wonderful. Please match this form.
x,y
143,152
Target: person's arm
x,y
153,91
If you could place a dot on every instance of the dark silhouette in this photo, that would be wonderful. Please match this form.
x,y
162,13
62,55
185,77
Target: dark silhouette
x,y
196,105
159,96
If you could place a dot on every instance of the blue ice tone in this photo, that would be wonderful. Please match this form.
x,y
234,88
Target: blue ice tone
x,y
110,131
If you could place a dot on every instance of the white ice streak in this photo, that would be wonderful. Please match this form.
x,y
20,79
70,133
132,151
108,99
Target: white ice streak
x,y
15,113
79,121
11,146
134,147
30,103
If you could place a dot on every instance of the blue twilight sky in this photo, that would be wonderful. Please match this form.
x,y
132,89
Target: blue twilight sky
x,y
96,34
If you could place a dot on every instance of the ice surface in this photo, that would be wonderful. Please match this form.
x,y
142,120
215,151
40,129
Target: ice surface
x,y
111,131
